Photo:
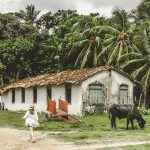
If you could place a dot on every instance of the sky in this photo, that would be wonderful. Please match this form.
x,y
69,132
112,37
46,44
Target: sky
x,y
84,7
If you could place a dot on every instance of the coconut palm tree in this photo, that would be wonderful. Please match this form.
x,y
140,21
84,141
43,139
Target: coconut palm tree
x,y
88,43
86,49
88,22
30,14
141,65
142,11
118,39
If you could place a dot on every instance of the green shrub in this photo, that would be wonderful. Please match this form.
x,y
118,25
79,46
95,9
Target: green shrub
x,y
144,111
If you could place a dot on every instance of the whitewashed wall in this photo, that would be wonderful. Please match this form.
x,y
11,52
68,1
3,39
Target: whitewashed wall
x,y
59,92
41,104
76,100
6,98
28,98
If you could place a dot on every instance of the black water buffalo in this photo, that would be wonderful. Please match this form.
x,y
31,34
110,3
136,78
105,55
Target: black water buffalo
x,y
126,111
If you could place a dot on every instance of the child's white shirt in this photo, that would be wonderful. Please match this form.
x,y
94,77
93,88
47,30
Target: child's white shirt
x,y
31,119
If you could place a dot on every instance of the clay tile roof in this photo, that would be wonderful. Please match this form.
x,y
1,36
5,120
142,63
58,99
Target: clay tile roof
x,y
64,77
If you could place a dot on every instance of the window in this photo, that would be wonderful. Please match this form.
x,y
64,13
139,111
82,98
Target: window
x,y
95,94
34,94
68,93
123,94
23,95
49,92
13,95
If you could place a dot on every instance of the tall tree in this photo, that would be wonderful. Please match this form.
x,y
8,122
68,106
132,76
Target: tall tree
x,y
142,11
117,40
88,22
30,14
63,37
47,21
9,26
87,44
86,49
15,59
141,65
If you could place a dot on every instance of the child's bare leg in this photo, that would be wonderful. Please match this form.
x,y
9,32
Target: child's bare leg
x,y
32,134
30,139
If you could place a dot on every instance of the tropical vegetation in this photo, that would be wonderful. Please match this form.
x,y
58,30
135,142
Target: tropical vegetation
x,y
32,43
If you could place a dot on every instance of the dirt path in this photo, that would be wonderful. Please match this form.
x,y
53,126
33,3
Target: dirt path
x,y
13,139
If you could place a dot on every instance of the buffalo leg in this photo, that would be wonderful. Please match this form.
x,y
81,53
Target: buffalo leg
x,y
132,124
113,122
127,124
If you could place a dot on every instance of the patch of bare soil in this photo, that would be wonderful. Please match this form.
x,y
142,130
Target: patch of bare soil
x,y
13,139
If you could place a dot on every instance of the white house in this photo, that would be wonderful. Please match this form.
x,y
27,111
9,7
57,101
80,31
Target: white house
x,y
85,90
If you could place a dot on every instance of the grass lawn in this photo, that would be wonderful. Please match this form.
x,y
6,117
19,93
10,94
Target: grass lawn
x,y
135,147
94,128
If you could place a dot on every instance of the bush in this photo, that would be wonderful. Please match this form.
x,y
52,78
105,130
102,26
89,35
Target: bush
x,y
144,111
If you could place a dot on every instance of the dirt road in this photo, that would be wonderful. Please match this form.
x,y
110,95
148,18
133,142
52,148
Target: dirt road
x,y
13,139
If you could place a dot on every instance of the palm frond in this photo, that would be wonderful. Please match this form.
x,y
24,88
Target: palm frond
x,y
88,52
146,81
109,40
82,43
130,48
98,45
105,51
126,50
146,42
143,39
81,55
95,57
129,56
135,48
73,49
114,55
77,45
132,63
140,71
98,41
120,50
147,3
119,54
99,29
87,33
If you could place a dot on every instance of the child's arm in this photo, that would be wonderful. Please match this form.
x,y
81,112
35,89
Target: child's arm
x,y
25,116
